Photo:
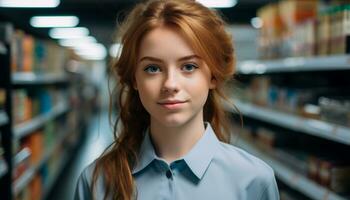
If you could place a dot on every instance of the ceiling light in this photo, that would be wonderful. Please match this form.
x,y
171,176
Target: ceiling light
x,y
54,21
29,4
68,33
218,3
77,41
92,51
256,22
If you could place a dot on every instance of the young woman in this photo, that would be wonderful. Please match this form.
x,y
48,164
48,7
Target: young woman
x,y
173,142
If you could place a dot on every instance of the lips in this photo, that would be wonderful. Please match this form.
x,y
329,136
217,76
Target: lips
x,y
172,104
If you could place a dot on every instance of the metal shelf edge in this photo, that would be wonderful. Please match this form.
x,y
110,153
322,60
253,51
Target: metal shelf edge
x,y
3,49
295,64
24,180
318,128
32,78
3,118
3,167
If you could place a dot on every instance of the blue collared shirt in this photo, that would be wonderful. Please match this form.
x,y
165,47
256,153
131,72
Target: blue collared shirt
x,y
211,170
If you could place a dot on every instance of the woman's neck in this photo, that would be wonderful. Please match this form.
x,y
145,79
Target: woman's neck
x,y
172,143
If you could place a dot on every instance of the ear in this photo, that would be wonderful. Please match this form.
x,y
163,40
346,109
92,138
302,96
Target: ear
x,y
213,82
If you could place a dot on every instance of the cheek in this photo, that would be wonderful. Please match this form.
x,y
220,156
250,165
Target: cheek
x,y
148,91
199,85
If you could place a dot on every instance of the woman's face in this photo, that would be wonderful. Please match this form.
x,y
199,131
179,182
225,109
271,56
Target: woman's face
x,y
173,82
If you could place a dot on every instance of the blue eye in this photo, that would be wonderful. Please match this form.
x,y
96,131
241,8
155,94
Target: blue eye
x,y
189,67
152,69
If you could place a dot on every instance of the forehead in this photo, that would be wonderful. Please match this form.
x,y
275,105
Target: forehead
x,y
164,42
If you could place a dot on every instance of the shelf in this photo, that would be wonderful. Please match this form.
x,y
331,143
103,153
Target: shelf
x,y
292,178
314,127
297,64
27,176
3,118
29,78
3,49
26,128
3,167
21,156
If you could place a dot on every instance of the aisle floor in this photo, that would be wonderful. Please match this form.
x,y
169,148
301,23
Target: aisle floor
x,y
98,137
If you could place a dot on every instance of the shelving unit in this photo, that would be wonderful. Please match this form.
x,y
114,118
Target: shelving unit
x,y
58,92
310,126
298,64
292,178
330,132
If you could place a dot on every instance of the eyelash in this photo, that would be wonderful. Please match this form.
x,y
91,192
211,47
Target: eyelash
x,y
190,64
148,67
155,67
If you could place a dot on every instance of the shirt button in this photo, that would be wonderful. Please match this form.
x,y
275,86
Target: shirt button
x,y
168,174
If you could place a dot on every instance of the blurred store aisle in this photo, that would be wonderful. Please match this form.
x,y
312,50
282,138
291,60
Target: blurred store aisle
x,y
98,137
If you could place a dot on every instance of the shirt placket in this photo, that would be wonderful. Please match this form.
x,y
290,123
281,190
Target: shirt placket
x,y
167,174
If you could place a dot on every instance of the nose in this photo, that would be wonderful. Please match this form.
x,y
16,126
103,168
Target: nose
x,y
170,84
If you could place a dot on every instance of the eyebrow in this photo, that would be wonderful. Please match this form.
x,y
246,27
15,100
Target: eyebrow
x,y
160,60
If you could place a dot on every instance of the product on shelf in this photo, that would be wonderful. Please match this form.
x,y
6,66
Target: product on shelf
x,y
258,91
35,143
272,139
340,35
335,110
270,31
23,109
36,187
32,104
304,29
323,34
298,19
330,169
324,103
2,99
29,54
330,172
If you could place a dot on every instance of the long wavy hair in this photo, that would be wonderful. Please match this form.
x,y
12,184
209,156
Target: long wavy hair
x,y
205,31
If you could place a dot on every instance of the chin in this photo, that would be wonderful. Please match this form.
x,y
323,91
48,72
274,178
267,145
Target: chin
x,y
172,121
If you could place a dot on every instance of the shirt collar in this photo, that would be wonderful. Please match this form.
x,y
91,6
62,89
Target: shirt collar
x,y
146,154
197,159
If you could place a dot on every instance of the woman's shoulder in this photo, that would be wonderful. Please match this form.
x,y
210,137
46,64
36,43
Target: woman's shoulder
x,y
238,160
255,175
87,172
84,183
